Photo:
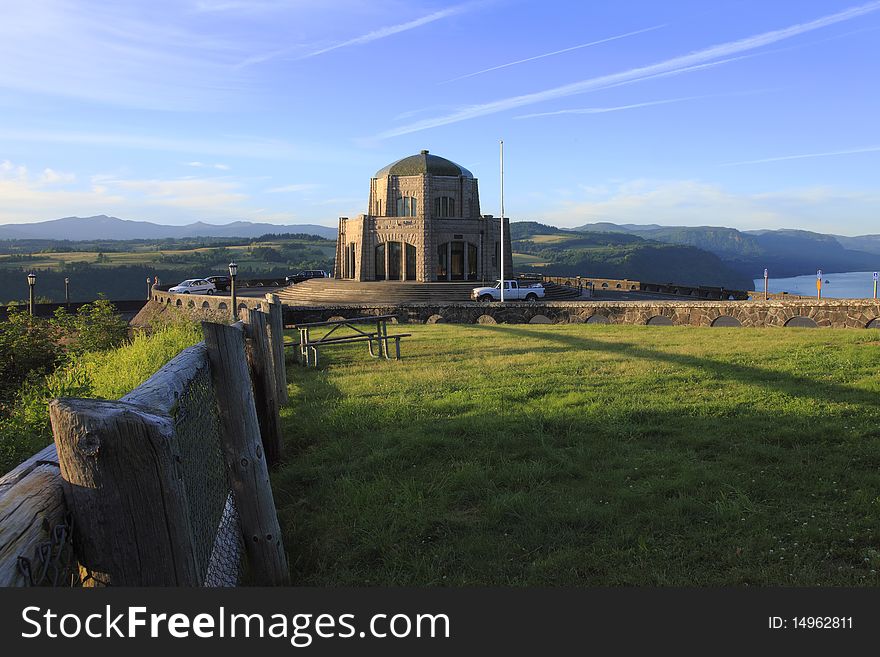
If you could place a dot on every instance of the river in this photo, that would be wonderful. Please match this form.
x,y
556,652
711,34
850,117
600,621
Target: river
x,y
844,285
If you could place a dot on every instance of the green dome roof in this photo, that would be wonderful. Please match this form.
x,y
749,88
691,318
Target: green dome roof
x,y
423,163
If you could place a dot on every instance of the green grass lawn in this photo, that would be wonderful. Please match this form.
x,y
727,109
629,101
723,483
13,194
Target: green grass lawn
x,y
587,455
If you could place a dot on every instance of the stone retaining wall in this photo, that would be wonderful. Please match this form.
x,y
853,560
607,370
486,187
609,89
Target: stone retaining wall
x,y
198,306
832,313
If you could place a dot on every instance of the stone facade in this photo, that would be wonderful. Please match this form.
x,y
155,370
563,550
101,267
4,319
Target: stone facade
x,y
423,224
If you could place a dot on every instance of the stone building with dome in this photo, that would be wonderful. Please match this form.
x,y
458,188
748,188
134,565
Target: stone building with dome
x,y
423,223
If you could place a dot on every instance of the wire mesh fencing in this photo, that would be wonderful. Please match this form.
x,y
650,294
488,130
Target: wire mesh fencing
x,y
216,538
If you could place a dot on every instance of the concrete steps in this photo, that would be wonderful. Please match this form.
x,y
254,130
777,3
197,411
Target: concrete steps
x,y
323,291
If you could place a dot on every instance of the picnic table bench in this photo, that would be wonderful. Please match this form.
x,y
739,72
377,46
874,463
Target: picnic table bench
x,y
347,331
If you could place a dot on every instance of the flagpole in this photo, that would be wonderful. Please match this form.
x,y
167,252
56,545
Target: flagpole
x,y
502,220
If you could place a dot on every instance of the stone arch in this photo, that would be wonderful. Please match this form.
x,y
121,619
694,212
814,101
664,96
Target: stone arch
x,y
435,319
801,321
659,320
727,321
604,284
242,306
222,306
632,287
205,305
190,304
873,324
618,286
179,303
598,318
486,319
540,319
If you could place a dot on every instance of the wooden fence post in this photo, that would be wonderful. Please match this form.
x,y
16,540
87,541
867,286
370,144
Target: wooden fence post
x,y
122,485
262,377
243,449
273,308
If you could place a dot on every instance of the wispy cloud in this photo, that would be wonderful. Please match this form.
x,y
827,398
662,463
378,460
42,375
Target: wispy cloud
x,y
112,53
707,57
295,188
806,156
556,52
690,202
202,165
27,196
221,146
369,37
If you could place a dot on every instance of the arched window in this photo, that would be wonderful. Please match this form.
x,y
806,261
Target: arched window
x,y
395,254
380,262
442,261
349,268
444,206
406,206
410,262
457,261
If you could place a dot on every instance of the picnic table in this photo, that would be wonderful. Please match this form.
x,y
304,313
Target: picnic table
x,y
372,329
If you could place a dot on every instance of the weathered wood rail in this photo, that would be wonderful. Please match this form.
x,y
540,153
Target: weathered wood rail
x,y
31,505
136,481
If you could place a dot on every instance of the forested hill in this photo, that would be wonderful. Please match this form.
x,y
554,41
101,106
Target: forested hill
x,y
784,252
546,249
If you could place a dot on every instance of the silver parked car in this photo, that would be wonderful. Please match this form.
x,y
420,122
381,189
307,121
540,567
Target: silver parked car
x,y
194,286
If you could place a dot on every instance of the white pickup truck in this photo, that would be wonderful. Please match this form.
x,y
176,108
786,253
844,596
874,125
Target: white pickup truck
x,y
513,291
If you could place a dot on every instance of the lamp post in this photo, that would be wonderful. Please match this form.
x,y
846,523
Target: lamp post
x,y
233,270
32,280
67,291
149,288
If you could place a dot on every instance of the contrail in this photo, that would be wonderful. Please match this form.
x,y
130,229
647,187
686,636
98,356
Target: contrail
x,y
556,52
805,156
375,35
650,103
603,110
675,65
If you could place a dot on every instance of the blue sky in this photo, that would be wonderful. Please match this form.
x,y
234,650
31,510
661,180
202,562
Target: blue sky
x,y
744,113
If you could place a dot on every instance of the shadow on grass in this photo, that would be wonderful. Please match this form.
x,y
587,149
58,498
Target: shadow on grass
x,y
791,384
437,491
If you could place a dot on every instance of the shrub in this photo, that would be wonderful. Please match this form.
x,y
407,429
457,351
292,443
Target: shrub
x,y
98,327
27,344
105,373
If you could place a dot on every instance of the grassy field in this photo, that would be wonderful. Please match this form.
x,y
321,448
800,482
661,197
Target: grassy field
x,y
147,255
587,455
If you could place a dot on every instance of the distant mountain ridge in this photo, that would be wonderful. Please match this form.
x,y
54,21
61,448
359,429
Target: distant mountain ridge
x,y
113,228
609,254
786,252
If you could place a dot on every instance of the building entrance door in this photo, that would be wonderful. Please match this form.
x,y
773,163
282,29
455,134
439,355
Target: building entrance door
x,y
456,266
